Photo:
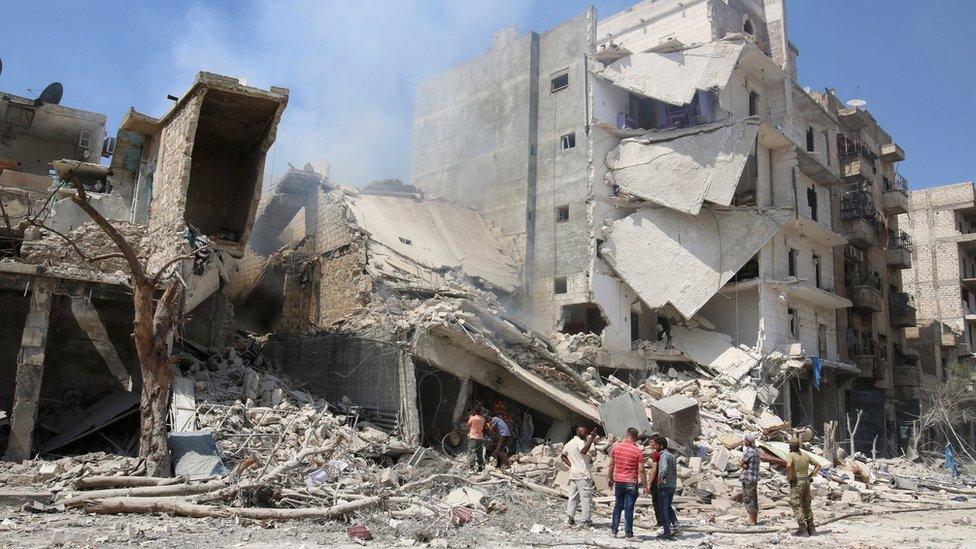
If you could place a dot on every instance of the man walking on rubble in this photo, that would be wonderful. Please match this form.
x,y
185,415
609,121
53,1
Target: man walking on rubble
x,y
666,472
476,440
750,477
502,435
798,474
626,467
576,454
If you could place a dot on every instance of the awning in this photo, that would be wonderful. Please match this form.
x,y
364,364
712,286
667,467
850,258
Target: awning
x,y
682,168
668,257
674,77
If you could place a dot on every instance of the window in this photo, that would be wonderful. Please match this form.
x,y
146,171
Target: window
x,y
753,103
559,82
562,214
812,202
794,322
559,285
791,259
810,146
747,27
568,141
816,270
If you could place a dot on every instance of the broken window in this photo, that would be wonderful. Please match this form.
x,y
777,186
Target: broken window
x,y
810,146
562,214
559,285
582,318
794,322
568,141
559,82
791,261
816,270
753,103
812,202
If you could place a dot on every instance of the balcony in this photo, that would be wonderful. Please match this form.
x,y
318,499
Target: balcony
x,y
866,298
895,198
907,375
859,217
853,118
901,310
856,167
865,365
899,255
891,152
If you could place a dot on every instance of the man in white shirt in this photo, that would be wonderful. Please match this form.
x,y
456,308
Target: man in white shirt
x,y
576,454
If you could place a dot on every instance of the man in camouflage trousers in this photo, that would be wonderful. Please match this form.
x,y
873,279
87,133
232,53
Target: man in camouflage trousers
x,y
798,473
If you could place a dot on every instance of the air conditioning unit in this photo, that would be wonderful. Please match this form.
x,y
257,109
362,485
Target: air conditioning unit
x,y
108,147
84,140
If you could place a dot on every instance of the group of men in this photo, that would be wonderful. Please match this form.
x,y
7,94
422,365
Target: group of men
x,y
627,473
479,431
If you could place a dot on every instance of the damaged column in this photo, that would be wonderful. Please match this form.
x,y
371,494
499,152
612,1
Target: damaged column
x,y
30,372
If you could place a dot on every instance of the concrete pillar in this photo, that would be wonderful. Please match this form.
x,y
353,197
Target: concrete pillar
x,y
409,415
30,372
87,317
464,393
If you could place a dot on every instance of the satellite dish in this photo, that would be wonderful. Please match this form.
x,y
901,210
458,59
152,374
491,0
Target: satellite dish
x,y
51,94
856,103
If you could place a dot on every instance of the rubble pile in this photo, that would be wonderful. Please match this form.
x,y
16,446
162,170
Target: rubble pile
x,y
51,250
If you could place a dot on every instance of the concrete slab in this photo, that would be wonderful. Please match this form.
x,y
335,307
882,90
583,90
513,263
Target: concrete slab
x,y
676,417
16,497
621,413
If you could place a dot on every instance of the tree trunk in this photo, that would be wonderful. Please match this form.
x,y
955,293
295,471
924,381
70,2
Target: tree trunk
x,y
153,334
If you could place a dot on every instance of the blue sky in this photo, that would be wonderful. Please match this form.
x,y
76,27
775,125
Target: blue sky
x,y
352,66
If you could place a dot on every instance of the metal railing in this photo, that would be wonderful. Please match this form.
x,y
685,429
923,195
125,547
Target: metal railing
x,y
855,203
871,280
899,183
899,303
899,240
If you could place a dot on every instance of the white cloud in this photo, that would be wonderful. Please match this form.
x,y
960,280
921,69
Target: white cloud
x,y
351,68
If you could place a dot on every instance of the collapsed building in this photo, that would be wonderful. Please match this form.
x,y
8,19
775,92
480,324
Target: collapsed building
x,y
660,169
187,182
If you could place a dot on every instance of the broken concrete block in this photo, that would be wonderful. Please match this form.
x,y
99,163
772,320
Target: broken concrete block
x,y
464,497
850,496
562,479
770,423
747,399
653,391
720,459
676,417
730,440
695,464
389,477
624,412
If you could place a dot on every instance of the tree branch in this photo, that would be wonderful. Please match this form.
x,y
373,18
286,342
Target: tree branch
x,y
75,245
81,199
162,270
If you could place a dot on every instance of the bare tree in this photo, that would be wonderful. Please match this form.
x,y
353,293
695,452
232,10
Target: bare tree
x,y
153,329
853,430
943,405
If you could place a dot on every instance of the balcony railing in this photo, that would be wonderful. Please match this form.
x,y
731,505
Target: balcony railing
x,y
899,183
855,203
900,239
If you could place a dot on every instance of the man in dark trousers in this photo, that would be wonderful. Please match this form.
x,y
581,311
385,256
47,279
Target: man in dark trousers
x,y
750,477
626,468
502,434
798,474
667,482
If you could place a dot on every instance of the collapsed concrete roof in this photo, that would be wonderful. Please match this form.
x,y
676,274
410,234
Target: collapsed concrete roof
x,y
675,76
432,234
671,258
682,168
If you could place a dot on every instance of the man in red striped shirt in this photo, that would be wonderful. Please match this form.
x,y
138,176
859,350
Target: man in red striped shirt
x,y
626,468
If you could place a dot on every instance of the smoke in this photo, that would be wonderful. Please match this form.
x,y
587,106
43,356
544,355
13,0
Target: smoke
x,y
351,67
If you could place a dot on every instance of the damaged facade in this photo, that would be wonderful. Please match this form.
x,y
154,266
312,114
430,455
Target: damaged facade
x,y
661,167
188,182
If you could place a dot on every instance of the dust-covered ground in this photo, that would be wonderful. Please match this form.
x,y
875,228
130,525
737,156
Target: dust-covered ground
x,y
518,527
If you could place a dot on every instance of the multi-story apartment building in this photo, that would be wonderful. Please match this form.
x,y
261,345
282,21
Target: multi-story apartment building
x,y
658,166
941,222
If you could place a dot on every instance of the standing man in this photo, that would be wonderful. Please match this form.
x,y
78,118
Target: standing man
x,y
626,467
476,439
797,472
576,454
667,482
502,434
750,477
